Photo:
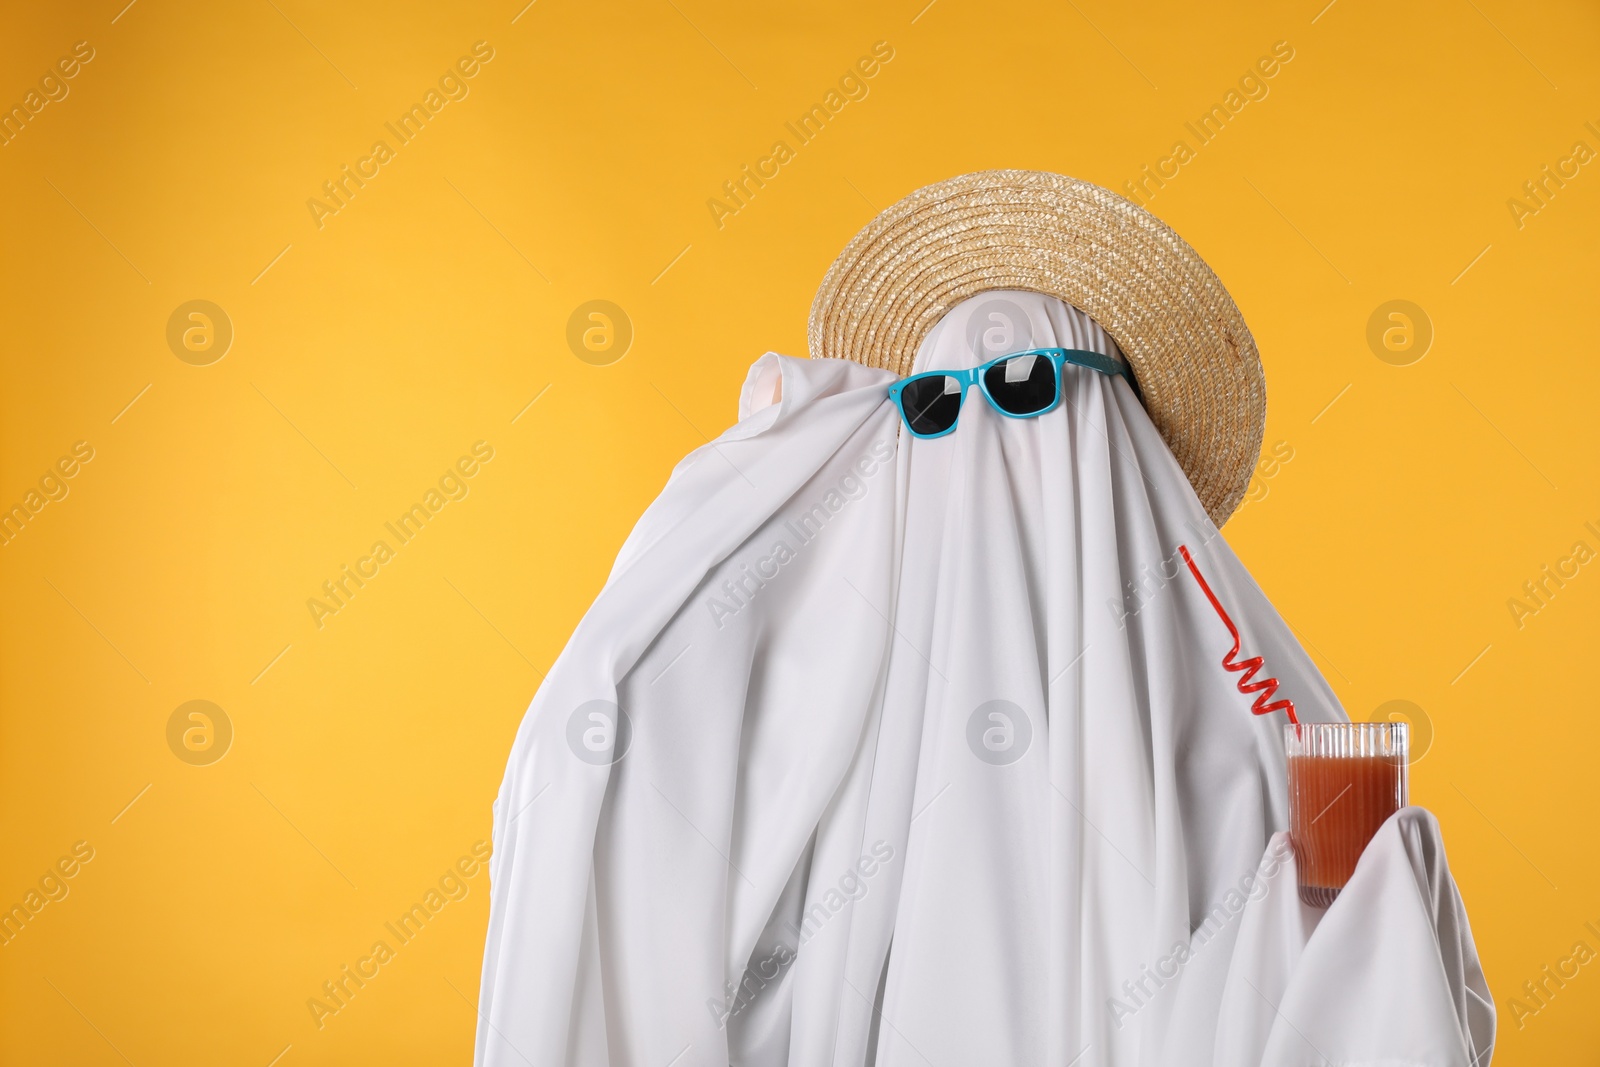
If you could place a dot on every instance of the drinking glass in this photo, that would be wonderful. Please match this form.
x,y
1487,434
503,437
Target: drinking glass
x,y
1345,779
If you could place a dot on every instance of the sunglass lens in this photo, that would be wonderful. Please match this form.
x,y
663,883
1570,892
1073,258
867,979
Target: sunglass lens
x,y
1022,385
931,404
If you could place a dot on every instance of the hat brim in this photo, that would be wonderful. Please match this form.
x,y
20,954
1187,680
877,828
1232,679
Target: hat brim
x,y
1198,369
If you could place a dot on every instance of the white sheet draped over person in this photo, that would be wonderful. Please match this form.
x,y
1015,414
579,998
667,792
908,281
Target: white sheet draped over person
x,y
885,750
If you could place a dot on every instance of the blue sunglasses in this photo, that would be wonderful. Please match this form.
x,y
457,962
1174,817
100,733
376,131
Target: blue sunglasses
x,y
1020,386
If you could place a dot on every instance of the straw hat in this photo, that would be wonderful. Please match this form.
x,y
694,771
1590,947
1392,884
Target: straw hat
x,y
1198,369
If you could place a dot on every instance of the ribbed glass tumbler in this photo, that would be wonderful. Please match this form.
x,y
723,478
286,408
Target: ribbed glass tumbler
x,y
1345,779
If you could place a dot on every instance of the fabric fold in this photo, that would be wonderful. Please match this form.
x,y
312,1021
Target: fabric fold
x,y
1386,975
683,747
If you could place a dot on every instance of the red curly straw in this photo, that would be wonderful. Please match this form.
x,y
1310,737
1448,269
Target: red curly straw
x,y
1249,666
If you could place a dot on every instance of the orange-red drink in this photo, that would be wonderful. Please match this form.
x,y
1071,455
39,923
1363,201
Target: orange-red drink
x,y
1345,779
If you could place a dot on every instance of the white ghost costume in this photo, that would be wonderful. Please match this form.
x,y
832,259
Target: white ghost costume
x,y
936,752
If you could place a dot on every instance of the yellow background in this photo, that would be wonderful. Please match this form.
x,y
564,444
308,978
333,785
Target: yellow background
x,y
433,307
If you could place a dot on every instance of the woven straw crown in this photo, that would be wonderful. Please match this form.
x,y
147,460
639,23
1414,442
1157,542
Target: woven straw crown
x,y
1196,363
